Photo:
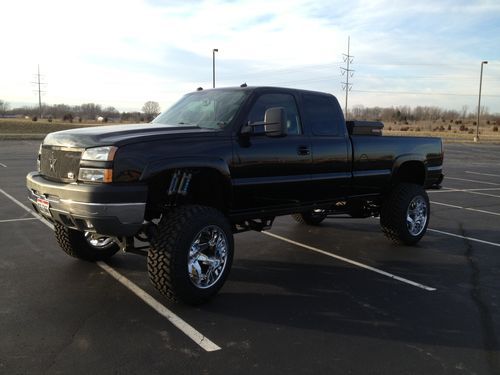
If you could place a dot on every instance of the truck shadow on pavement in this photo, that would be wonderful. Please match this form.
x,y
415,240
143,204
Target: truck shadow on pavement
x,y
344,300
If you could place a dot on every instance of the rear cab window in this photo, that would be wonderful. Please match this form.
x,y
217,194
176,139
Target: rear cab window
x,y
322,115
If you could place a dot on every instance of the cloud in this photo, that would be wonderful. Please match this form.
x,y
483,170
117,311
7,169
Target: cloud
x,y
124,53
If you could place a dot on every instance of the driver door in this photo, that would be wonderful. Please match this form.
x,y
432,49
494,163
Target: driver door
x,y
271,172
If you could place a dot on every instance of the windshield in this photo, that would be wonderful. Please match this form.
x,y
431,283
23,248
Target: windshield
x,y
212,109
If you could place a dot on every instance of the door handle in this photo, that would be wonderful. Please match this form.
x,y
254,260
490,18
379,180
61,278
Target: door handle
x,y
303,150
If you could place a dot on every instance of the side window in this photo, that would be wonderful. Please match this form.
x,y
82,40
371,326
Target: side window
x,y
321,114
286,101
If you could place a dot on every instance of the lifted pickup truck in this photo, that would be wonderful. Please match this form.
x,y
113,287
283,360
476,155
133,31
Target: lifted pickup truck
x,y
223,161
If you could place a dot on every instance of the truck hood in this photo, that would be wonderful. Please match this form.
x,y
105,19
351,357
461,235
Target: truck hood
x,y
118,134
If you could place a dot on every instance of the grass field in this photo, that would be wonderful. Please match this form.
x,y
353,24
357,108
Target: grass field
x,y
27,129
462,132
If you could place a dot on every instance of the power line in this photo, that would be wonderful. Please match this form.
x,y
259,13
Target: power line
x,y
309,67
422,93
413,64
326,77
293,70
431,77
348,59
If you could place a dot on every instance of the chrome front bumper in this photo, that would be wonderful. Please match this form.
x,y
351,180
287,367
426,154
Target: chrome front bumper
x,y
104,209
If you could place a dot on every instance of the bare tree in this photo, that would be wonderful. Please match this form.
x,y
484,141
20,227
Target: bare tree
x,y
90,110
151,109
357,111
60,110
110,112
485,111
465,108
4,107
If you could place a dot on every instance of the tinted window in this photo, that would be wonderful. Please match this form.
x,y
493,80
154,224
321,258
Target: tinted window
x,y
321,114
286,101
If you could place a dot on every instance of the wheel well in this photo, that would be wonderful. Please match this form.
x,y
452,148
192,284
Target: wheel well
x,y
206,187
412,172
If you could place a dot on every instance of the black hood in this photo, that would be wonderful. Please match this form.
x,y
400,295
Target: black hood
x,y
117,135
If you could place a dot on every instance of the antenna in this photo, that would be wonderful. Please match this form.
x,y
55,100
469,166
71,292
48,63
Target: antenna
x,y
348,59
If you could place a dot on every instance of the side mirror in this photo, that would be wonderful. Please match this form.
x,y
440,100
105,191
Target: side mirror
x,y
275,122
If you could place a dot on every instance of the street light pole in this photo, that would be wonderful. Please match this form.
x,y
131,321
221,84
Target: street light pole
x,y
479,102
213,66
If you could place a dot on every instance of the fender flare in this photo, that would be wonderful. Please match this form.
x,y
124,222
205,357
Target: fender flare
x,y
158,167
402,159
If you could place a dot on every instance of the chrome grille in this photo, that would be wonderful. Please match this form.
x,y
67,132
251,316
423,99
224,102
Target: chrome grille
x,y
60,164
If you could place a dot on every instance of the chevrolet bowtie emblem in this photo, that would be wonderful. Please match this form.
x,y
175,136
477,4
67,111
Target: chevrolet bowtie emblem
x,y
52,162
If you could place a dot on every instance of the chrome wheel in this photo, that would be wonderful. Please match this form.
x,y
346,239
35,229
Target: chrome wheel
x,y
98,241
208,256
416,215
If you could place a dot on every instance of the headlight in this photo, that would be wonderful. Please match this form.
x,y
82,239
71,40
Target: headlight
x,y
95,175
106,153
97,163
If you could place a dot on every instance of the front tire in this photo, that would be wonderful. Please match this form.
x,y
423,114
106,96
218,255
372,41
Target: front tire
x,y
85,245
191,255
405,214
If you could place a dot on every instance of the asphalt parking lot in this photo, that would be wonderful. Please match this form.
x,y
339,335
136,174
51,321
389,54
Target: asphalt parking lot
x,y
333,299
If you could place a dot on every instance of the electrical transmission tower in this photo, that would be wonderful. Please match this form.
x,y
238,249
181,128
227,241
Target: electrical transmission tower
x,y
39,84
347,72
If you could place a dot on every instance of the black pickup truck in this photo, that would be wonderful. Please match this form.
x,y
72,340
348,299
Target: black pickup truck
x,y
223,161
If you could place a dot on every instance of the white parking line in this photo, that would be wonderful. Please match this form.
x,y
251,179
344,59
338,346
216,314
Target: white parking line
x,y
466,208
443,190
3,165
479,193
450,190
464,237
476,181
447,205
468,191
353,262
484,194
483,174
187,329
27,209
458,236
482,189
13,220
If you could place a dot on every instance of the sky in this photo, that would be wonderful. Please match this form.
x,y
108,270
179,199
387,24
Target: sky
x,y
124,53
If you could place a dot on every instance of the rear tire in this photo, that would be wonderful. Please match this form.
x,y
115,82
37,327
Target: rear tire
x,y
405,214
191,254
313,217
78,244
